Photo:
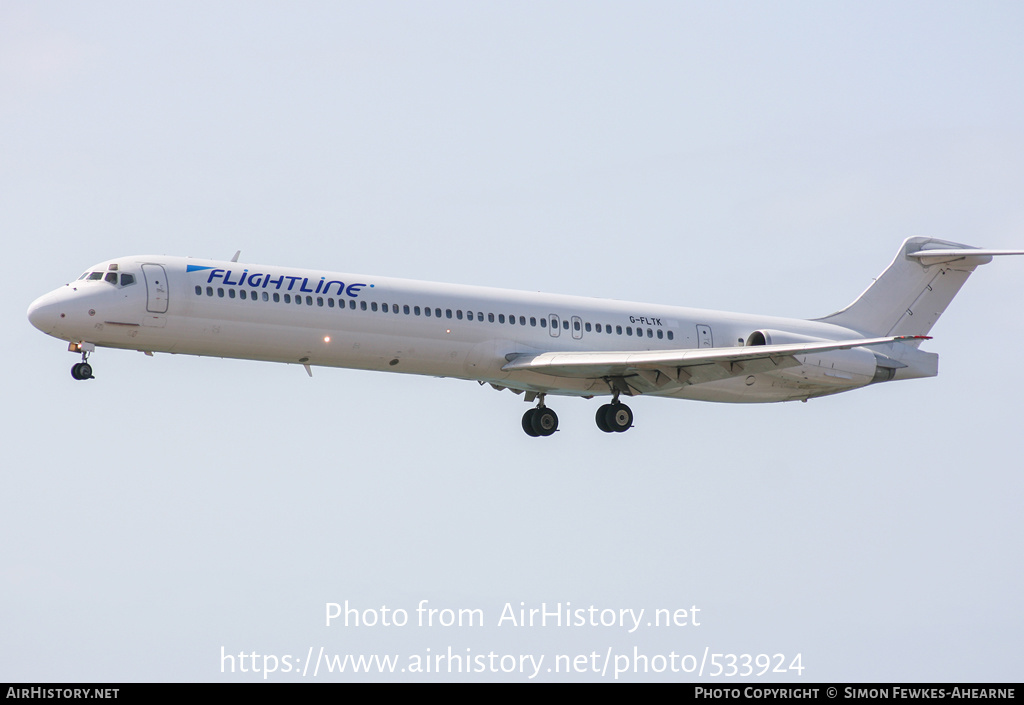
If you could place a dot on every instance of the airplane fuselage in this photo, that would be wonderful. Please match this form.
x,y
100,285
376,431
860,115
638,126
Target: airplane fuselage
x,y
319,318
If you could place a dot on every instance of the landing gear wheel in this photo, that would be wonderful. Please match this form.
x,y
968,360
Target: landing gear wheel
x,y
81,370
602,422
544,421
618,418
528,422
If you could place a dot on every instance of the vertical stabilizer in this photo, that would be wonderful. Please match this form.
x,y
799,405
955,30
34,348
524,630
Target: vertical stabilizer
x,y
913,291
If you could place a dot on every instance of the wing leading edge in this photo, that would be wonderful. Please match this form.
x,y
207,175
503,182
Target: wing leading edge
x,y
693,366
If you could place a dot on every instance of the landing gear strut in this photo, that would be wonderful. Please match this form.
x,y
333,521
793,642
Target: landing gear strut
x,y
540,420
615,417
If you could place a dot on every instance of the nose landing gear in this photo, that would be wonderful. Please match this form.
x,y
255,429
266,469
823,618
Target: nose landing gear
x,y
81,370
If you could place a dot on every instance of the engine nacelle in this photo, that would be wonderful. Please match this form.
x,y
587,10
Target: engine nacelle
x,y
767,336
831,369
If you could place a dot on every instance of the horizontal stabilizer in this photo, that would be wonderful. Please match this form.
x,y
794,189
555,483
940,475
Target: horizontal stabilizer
x,y
938,255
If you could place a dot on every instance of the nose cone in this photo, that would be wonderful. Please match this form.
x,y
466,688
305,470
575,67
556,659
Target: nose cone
x,y
43,313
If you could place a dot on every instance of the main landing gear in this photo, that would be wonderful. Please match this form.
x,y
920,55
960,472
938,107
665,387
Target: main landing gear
x,y
615,417
611,418
540,420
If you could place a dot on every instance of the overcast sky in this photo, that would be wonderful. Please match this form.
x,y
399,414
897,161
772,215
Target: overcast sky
x,y
759,157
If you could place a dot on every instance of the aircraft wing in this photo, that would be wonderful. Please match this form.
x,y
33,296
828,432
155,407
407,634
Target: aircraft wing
x,y
688,365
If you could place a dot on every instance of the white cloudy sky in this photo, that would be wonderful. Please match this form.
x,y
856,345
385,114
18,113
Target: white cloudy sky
x,y
761,157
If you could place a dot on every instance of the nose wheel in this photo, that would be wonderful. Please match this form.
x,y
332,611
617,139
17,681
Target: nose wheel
x,y
82,370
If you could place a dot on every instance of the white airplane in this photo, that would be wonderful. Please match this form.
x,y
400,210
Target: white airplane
x,y
532,343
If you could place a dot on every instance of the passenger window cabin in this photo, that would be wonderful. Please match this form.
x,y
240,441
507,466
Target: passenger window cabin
x,y
578,325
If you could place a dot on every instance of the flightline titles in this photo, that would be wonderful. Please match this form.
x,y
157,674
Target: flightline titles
x,y
558,614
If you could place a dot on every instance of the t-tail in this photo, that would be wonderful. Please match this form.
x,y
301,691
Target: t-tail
x,y
911,294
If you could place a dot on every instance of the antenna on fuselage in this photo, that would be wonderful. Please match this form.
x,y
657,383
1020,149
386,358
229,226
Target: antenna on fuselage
x,y
237,254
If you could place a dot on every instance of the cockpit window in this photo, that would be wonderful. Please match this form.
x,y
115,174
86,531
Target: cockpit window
x,y
111,277
127,279
95,276
84,275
